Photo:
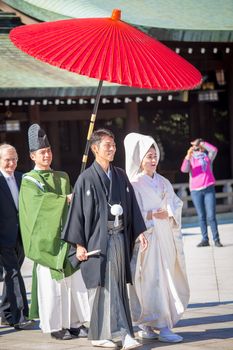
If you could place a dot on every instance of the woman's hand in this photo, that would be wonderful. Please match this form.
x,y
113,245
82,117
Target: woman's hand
x,y
149,215
161,214
143,241
197,142
189,153
81,253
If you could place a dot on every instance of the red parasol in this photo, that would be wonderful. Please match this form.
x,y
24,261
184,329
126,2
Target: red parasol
x,y
106,49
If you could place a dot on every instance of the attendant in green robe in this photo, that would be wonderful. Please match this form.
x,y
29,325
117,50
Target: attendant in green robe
x,y
59,296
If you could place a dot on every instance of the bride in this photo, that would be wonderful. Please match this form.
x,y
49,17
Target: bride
x,y
160,292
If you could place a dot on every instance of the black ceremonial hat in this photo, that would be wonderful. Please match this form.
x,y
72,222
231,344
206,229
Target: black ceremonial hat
x,y
37,138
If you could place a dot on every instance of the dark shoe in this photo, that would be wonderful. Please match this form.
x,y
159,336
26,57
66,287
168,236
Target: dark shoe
x,y
81,332
218,244
27,324
203,244
64,334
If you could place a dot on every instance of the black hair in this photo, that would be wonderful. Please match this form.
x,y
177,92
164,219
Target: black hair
x,y
98,134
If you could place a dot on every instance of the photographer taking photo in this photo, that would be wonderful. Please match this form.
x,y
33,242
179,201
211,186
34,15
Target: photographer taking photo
x,y
198,163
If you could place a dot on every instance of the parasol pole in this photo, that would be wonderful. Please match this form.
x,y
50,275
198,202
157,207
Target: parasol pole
x,y
116,15
91,126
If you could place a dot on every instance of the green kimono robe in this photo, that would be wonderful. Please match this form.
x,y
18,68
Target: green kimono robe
x,y
42,213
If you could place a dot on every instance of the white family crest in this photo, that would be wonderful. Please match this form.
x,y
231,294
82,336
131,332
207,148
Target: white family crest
x,y
116,210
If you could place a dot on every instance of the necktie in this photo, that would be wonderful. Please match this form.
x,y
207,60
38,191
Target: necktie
x,y
14,189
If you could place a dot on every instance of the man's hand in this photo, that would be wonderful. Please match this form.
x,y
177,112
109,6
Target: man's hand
x,y
161,214
81,253
143,241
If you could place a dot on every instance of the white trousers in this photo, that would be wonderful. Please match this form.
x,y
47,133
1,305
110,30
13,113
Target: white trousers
x,y
63,303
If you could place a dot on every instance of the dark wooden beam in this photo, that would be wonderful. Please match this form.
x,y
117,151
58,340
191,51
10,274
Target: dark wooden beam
x,y
35,114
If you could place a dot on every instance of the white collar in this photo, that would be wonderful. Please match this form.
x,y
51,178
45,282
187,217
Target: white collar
x,y
6,175
108,173
37,168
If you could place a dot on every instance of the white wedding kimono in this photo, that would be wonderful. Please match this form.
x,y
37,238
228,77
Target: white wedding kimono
x,y
160,292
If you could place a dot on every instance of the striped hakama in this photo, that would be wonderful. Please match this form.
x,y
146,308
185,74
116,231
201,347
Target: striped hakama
x,y
110,313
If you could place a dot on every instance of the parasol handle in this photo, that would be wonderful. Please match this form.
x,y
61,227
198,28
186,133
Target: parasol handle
x,y
91,126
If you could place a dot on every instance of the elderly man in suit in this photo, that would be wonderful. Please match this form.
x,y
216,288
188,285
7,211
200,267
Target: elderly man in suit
x,y
14,306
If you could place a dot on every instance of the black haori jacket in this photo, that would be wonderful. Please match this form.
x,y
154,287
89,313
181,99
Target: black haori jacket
x,y
87,221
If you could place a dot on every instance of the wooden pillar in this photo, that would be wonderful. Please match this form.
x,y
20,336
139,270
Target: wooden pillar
x,y
34,114
194,119
54,140
132,118
230,99
200,120
3,137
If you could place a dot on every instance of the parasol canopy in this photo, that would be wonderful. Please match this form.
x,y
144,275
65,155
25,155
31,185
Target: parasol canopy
x,y
107,49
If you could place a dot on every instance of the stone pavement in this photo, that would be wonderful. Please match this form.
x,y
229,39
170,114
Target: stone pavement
x,y
207,323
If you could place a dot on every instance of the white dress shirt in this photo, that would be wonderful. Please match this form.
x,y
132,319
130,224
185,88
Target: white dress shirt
x,y
11,182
